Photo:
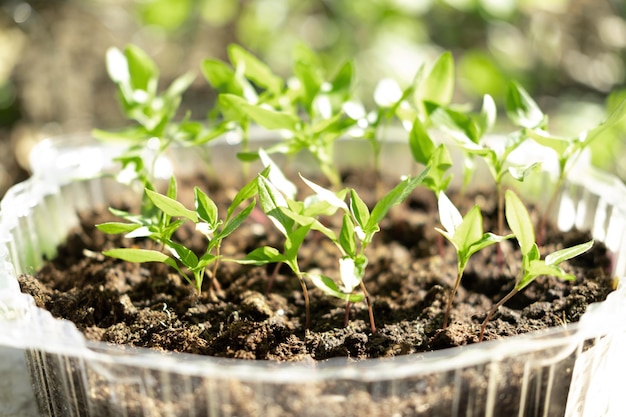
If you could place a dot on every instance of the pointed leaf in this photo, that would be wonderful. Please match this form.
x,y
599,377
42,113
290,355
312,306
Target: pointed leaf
x,y
521,108
234,223
326,195
328,286
346,236
469,231
183,254
559,256
171,207
139,255
422,146
396,196
438,86
262,256
449,215
359,209
521,172
205,207
113,228
254,69
519,221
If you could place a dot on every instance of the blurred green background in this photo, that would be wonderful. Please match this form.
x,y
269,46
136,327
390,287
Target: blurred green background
x,y
569,54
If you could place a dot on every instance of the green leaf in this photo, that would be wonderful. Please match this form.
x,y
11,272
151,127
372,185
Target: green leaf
x,y
246,192
342,81
439,164
142,69
236,221
113,228
469,231
326,195
221,76
183,254
140,256
521,108
519,221
438,85
262,256
397,195
538,268
422,146
488,114
346,236
328,286
206,260
294,241
359,209
171,207
521,172
312,222
487,239
558,144
205,207
617,116
268,118
172,188
559,256
461,127
271,199
254,69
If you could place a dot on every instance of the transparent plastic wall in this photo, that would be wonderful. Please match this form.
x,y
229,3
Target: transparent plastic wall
x,y
571,371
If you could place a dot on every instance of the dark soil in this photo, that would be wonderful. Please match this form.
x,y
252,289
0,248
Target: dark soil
x,y
149,305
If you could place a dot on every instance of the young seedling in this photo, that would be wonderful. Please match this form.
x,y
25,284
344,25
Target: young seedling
x,y
137,78
311,112
532,266
469,130
568,150
466,235
171,216
359,226
247,78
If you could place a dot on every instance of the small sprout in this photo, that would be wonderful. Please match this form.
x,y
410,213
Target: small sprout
x,y
169,216
466,235
532,266
358,228
568,150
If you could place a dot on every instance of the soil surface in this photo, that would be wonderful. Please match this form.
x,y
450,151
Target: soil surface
x,y
251,315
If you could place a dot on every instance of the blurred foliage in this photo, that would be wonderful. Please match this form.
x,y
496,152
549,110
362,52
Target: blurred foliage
x,y
569,54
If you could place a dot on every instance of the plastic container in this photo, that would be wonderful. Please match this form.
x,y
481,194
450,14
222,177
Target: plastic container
x,y
49,369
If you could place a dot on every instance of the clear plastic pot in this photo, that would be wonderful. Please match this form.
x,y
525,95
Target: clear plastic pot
x,y
51,370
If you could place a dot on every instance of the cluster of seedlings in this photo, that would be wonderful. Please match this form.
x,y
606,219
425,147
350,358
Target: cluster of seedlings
x,y
310,111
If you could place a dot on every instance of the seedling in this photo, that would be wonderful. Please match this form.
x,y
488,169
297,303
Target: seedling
x,y
532,266
171,216
310,110
248,79
466,235
137,78
358,228
567,149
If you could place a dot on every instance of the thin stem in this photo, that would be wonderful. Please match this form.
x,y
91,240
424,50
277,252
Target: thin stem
x,y
307,308
500,257
493,311
369,307
451,298
347,316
